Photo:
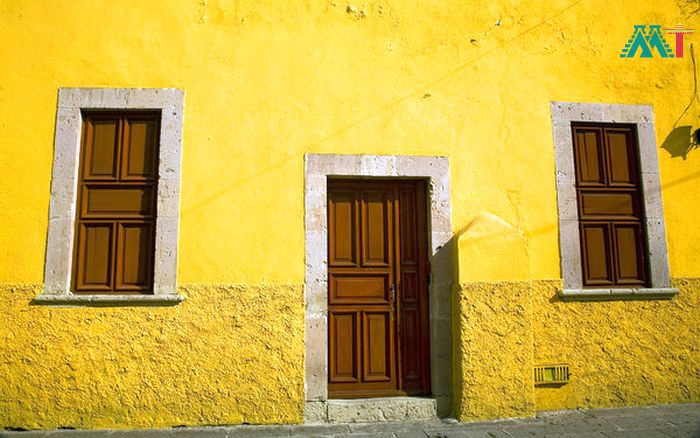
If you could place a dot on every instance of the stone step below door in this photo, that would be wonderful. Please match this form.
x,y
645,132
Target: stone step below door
x,y
372,410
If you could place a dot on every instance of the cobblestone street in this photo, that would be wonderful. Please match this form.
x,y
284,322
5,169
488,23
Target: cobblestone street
x,y
677,421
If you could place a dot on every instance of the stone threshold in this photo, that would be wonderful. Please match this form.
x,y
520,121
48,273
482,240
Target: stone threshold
x,y
367,410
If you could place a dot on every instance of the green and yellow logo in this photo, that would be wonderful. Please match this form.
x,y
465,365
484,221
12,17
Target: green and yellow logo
x,y
649,39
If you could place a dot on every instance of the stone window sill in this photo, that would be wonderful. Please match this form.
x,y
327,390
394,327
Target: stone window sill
x,y
107,300
654,293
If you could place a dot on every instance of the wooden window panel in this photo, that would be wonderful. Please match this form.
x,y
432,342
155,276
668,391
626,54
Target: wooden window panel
x,y
609,206
596,251
629,255
622,169
370,288
101,154
115,238
138,157
590,161
134,267
95,256
125,201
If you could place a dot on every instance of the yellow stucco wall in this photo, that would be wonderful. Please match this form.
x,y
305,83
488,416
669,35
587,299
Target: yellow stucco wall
x,y
493,377
210,360
620,353
266,82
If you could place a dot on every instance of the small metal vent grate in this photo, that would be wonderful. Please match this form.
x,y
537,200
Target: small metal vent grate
x,y
552,374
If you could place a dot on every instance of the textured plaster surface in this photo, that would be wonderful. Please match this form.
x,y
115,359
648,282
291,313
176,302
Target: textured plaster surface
x,y
631,352
620,353
228,354
494,351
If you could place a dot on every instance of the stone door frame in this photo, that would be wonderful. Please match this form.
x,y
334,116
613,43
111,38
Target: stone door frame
x,y
317,169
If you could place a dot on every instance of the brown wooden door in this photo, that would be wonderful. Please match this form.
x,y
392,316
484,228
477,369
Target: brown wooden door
x,y
377,288
116,212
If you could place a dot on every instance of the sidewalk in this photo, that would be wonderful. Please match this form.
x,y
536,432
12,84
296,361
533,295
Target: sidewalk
x,y
678,421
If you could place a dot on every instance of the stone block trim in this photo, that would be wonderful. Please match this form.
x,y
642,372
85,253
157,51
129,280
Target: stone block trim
x,y
64,184
381,409
318,167
371,410
563,114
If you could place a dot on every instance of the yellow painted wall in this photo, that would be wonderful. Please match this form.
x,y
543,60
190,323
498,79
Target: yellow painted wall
x,y
266,82
620,353
210,360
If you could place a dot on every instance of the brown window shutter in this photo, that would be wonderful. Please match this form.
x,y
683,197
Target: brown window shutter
x,y
629,256
610,206
95,256
116,212
596,247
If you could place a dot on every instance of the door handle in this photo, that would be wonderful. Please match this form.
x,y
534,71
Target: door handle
x,y
393,293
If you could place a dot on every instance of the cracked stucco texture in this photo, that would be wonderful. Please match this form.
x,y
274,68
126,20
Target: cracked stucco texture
x,y
494,353
227,354
621,353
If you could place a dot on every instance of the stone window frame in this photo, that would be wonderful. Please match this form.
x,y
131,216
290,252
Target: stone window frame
x,y
642,116
317,169
64,188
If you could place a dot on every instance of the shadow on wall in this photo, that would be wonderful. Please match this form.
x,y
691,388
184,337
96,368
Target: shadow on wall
x,y
680,142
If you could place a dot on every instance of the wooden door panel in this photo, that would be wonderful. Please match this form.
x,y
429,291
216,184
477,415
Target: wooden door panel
x,y
366,288
134,258
342,227
376,242
411,350
102,155
409,285
408,226
378,348
414,342
95,256
345,340
139,158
